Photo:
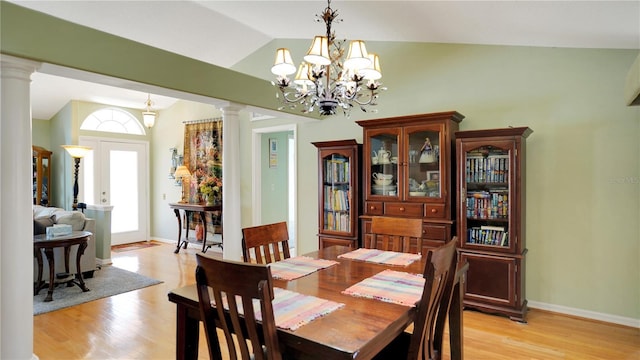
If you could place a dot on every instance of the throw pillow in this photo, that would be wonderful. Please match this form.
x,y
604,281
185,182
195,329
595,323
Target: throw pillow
x,y
73,218
40,225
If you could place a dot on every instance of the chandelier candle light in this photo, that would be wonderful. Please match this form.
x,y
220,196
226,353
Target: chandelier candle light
x,y
323,81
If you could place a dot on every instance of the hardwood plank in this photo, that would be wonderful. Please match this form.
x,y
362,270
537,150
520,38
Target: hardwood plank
x,y
141,324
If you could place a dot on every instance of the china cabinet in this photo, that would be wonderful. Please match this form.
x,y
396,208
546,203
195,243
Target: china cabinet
x,y
407,172
41,162
491,214
339,202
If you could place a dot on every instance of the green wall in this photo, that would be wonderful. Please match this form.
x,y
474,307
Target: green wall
x,y
583,166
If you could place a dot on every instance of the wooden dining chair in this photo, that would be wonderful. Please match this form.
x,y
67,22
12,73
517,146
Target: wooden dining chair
x,y
395,234
237,283
425,342
265,244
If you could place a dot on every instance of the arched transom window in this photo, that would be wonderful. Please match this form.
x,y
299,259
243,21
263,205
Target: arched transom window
x,y
113,120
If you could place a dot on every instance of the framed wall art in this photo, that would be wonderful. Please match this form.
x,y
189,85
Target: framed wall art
x,y
273,153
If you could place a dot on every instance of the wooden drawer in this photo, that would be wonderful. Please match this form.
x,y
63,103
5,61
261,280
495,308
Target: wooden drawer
x,y
403,209
434,232
330,241
434,211
373,208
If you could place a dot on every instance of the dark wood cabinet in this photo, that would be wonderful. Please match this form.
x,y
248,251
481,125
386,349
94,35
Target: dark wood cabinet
x,y
491,213
407,172
41,162
339,204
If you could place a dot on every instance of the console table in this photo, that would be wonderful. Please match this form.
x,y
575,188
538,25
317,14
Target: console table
x,y
201,210
41,242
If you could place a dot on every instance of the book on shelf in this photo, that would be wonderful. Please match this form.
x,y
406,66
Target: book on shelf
x,y
488,235
489,169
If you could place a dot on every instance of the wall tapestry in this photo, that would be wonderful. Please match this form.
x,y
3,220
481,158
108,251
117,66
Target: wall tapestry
x,y
203,158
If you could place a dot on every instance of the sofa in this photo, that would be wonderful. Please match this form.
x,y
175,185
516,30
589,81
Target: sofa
x,y
44,217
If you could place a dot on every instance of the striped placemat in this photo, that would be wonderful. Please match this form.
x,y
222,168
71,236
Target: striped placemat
x,y
299,266
291,309
390,286
381,256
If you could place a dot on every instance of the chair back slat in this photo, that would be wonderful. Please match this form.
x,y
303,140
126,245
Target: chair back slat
x,y
433,307
265,244
234,286
395,234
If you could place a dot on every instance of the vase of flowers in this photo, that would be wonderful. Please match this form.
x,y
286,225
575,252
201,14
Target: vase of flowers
x,y
211,187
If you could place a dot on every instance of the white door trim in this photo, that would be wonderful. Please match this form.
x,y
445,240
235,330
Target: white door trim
x,y
256,182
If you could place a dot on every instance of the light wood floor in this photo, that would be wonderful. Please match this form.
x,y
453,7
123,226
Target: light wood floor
x,y
141,324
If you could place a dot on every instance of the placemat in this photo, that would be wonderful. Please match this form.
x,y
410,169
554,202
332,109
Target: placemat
x,y
299,266
390,286
291,309
381,256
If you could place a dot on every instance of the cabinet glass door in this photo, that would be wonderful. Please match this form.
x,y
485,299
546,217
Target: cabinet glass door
x,y
336,193
486,192
424,165
384,164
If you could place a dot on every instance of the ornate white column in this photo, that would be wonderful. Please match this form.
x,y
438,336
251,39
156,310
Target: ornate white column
x,y
16,213
231,212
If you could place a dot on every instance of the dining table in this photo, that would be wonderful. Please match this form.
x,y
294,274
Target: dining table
x,y
358,330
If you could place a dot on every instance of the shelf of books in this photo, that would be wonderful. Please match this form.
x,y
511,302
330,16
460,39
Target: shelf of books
x,y
487,196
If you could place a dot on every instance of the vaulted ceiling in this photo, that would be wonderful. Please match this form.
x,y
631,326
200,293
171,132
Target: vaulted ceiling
x,y
237,28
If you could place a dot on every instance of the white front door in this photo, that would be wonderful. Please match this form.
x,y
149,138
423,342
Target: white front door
x,y
120,179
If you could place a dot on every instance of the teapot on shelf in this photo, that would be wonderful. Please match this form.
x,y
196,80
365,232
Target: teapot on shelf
x,y
383,156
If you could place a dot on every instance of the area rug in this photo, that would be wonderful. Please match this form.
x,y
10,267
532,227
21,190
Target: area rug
x,y
134,246
108,281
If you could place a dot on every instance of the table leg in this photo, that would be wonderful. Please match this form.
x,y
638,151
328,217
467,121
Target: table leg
x,y
187,334
80,281
203,219
177,212
37,252
48,252
185,242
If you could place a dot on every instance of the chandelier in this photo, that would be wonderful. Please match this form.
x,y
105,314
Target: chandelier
x,y
149,116
323,80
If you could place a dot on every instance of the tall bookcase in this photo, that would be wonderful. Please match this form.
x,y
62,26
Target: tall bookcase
x,y
491,218
339,204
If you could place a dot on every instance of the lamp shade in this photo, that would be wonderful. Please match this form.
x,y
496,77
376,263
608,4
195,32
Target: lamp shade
x,y
181,172
302,77
358,56
283,64
373,71
149,118
318,53
77,151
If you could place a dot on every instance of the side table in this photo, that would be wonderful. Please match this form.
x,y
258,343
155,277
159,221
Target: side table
x,y
41,242
201,209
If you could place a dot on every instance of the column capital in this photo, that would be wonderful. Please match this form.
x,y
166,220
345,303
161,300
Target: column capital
x,y
14,67
232,109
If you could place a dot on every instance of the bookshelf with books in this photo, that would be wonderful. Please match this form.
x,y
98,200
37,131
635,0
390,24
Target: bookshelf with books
x,y
338,192
491,213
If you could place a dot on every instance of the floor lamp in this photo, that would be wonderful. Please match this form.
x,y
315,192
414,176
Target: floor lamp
x,y
77,152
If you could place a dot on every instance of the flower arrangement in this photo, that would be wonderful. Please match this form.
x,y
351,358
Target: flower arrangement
x,y
211,186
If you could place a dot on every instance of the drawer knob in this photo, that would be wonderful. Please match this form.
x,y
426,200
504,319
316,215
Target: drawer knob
x,y
372,207
401,209
434,210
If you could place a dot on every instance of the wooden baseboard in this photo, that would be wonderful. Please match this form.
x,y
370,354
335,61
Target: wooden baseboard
x,y
587,314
